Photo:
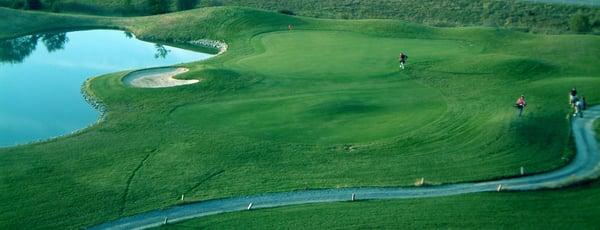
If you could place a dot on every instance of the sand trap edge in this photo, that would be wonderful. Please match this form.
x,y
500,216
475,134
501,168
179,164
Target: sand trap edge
x,y
157,78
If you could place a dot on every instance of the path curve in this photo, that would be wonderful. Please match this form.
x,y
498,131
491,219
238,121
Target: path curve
x,y
585,165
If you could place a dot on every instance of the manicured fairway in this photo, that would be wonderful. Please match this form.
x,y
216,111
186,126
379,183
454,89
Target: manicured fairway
x,y
346,93
322,106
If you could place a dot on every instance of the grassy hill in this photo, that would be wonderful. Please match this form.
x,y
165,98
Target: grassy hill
x,y
534,16
324,105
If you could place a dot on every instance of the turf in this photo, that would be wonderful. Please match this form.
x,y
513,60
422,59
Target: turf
x,y
324,105
574,208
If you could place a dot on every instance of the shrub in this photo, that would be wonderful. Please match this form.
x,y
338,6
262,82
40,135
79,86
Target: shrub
x,y
186,4
17,4
213,3
53,5
288,12
596,23
127,5
158,6
33,4
580,23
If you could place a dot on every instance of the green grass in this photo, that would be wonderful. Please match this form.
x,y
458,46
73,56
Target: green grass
x,y
574,208
322,106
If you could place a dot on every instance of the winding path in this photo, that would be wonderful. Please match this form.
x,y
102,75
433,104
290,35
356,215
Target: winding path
x,y
586,165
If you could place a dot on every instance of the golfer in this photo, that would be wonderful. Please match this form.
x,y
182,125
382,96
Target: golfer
x,y
403,57
520,104
578,107
573,96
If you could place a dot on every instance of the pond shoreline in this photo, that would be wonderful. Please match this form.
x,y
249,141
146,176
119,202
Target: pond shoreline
x,y
28,137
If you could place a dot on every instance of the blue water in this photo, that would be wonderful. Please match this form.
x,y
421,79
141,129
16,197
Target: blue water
x,y
40,90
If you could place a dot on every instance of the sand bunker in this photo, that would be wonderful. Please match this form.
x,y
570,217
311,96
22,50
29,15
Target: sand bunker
x,y
157,78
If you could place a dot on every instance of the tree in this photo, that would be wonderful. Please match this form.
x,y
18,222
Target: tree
x,y
127,5
158,6
33,4
53,5
186,4
18,4
580,23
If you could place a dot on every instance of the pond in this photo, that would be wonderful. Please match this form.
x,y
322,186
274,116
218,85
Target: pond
x,y
41,78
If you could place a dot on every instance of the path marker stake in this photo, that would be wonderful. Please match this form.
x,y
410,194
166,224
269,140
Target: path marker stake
x,y
353,196
420,182
250,206
522,171
499,188
182,196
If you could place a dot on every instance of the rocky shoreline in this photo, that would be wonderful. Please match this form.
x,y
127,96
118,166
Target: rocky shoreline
x,y
220,45
91,99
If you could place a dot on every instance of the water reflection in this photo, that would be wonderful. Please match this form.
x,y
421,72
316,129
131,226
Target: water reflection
x,y
128,34
161,51
54,42
16,50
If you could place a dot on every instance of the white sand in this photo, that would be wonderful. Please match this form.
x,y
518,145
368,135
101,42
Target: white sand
x,y
157,78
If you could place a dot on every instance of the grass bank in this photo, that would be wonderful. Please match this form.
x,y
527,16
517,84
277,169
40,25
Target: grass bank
x,y
322,106
21,23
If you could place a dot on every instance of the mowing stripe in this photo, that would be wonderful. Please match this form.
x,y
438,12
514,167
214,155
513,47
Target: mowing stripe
x,y
585,166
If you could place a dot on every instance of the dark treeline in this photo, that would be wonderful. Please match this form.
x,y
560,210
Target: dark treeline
x,y
128,7
537,17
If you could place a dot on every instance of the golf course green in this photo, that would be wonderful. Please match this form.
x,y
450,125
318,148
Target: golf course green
x,y
322,106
